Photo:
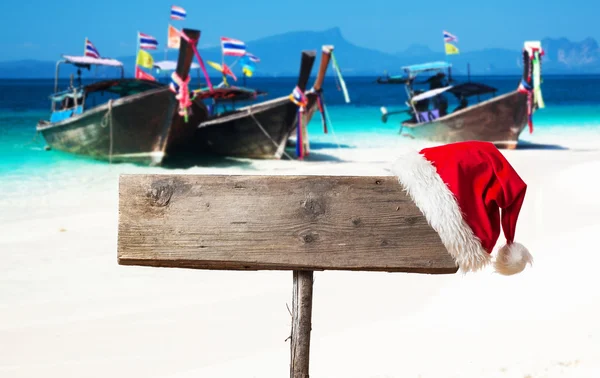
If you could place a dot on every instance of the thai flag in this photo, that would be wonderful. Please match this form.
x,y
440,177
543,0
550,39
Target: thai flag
x,y
252,58
449,37
178,13
147,42
233,47
90,50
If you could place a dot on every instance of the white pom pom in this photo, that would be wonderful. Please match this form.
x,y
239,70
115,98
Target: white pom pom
x,y
512,259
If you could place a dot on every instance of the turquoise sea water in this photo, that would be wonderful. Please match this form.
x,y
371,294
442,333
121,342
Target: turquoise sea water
x,y
571,113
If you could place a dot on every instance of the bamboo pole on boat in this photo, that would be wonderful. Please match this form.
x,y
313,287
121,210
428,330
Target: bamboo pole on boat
x,y
308,59
186,53
180,132
137,51
325,58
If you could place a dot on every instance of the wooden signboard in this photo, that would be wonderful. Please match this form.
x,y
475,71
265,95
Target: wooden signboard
x,y
298,223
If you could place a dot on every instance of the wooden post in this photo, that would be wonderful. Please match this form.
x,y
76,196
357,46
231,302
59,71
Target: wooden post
x,y
301,323
293,223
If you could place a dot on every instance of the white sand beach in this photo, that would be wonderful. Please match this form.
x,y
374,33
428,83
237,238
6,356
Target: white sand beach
x,y
67,309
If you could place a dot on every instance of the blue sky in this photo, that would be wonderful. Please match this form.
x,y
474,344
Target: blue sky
x,y
43,29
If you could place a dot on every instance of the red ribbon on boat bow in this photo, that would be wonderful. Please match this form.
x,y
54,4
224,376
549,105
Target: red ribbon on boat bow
x,y
299,98
182,90
192,43
182,94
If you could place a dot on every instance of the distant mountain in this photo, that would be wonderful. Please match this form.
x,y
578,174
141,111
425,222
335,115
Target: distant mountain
x,y
572,57
416,51
280,56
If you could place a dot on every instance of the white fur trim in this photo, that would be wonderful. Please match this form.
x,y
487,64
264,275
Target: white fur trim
x,y
512,259
431,195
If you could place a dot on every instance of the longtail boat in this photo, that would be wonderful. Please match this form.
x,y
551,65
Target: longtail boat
x,y
259,130
316,101
499,120
119,120
387,79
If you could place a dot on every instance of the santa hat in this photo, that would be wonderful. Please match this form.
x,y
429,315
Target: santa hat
x,y
460,188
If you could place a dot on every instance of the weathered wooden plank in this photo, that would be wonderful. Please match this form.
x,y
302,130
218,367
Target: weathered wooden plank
x,y
302,299
275,222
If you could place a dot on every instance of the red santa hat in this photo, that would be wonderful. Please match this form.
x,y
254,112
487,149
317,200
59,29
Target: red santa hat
x,y
461,188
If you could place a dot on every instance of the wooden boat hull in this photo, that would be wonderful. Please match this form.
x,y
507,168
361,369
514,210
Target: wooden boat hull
x,y
499,120
258,131
181,143
132,129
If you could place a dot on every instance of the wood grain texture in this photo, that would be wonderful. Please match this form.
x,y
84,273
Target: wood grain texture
x,y
275,223
302,299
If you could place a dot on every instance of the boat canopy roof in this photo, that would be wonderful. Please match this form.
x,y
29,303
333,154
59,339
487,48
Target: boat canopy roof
x,y
432,66
471,89
171,65
430,93
460,90
87,61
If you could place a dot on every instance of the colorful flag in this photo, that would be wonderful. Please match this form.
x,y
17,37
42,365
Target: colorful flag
x,y
451,49
228,71
214,65
90,50
144,59
248,71
174,38
147,42
248,64
224,69
233,47
252,58
140,74
449,37
178,13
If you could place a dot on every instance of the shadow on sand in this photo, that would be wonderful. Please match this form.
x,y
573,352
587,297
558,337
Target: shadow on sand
x,y
326,146
522,145
228,162
315,157
206,162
